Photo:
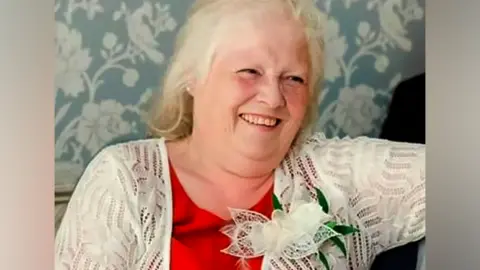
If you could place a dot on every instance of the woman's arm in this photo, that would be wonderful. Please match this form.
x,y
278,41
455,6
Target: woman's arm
x,y
392,175
100,227
383,183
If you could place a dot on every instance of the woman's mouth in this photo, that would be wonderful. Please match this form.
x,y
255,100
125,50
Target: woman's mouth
x,y
260,120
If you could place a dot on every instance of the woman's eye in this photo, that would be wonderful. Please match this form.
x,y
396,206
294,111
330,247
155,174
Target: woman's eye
x,y
296,79
250,71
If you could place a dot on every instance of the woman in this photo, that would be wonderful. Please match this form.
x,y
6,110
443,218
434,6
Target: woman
x,y
234,178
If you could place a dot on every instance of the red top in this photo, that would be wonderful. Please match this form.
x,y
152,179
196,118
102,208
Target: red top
x,y
196,239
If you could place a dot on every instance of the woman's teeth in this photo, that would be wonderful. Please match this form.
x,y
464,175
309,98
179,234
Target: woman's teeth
x,y
260,120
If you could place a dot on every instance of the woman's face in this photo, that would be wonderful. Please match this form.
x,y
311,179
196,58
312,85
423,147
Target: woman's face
x,y
254,99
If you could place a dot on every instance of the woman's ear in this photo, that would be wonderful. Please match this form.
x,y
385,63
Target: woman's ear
x,y
190,84
190,89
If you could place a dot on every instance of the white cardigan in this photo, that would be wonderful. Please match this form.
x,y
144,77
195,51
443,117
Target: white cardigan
x,y
120,214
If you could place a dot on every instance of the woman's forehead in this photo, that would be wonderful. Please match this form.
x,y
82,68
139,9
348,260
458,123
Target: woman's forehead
x,y
263,45
248,37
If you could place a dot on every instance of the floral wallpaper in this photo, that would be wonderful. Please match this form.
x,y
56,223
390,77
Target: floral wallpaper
x,y
111,55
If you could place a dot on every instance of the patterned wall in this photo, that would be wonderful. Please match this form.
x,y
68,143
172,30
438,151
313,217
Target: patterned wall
x,y
112,54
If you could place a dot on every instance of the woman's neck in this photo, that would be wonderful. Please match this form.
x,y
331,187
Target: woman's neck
x,y
235,177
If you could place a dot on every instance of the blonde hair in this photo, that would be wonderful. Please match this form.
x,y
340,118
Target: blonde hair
x,y
171,115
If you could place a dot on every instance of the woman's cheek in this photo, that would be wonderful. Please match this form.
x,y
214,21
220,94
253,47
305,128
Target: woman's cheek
x,y
246,86
297,97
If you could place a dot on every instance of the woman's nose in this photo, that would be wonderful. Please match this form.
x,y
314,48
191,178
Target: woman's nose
x,y
271,94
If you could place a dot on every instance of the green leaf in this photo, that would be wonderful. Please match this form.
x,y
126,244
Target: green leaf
x,y
339,243
322,200
324,260
345,229
276,203
331,224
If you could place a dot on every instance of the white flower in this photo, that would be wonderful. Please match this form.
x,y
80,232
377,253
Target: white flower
x,y
356,110
293,235
335,49
92,7
109,40
296,228
71,60
363,29
130,77
381,63
100,123
169,24
413,11
164,21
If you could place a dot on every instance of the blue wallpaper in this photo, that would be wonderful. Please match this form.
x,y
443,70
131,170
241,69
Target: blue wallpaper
x,y
111,55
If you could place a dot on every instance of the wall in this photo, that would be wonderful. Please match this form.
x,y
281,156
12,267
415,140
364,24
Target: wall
x,y
112,54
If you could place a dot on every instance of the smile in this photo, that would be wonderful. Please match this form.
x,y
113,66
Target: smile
x,y
260,120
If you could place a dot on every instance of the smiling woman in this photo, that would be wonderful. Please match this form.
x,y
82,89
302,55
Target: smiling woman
x,y
235,173
257,69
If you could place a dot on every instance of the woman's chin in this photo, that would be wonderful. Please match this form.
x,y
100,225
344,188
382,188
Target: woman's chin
x,y
261,151
259,146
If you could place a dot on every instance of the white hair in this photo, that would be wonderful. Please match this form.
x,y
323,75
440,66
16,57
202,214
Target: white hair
x,y
171,113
